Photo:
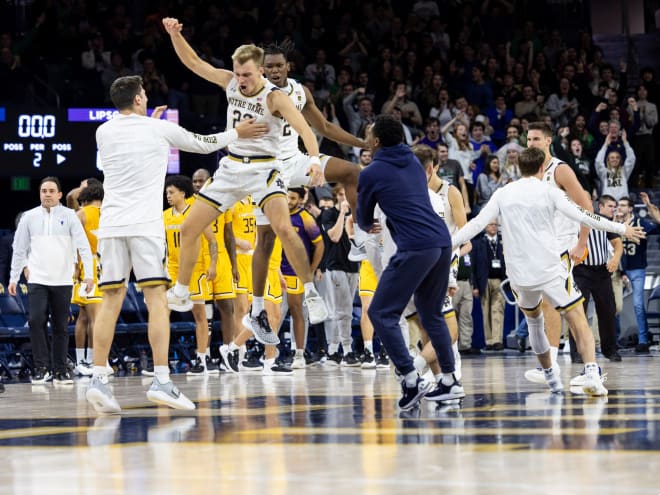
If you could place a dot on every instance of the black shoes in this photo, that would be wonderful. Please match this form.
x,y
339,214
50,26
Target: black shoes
x,y
642,348
63,378
615,357
41,376
410,396
522,344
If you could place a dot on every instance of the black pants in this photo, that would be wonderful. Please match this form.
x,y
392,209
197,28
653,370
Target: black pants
x,y
45,300
597,282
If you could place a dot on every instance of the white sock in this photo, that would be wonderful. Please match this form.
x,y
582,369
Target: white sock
x,y
201,356
89,358
232,346
458,362
333,349
162,373
80,355
310,289
257,305
369,346
438,377
300,352
100,372
420,364
269,363
180,290
554,352
411,378
591,369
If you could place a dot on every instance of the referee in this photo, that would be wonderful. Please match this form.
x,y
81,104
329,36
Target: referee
x,y
593,277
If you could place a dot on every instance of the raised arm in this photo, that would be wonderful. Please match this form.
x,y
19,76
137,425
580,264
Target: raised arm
x,y
326,128
190,59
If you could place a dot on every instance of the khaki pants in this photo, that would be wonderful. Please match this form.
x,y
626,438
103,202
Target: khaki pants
x,y
462,302
492,308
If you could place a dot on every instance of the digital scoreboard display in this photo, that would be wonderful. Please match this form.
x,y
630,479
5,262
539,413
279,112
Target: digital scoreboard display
x,y
38,142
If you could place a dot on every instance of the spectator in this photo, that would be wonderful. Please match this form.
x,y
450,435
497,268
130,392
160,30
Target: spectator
x,y
508,156
154,83
462,301
359,116
613,176
643,140
488,272
322,73
499,117
432,137
451,171
529,103
489,181
562,105
410,114
479,91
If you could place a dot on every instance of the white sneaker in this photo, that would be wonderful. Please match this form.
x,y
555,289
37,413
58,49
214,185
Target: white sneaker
x,y
536,375
83,369
101,397
299,363
358,252
176,303
593,385
168,394
579,380
554,381
317,311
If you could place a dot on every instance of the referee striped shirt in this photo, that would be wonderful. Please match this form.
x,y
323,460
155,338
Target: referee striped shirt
x,y
599,247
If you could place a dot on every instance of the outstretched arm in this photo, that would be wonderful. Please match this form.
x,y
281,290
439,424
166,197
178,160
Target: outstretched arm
x,y
190,59
478,223
326,128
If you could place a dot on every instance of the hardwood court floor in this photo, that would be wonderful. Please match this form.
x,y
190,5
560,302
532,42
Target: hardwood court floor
x,y
338,431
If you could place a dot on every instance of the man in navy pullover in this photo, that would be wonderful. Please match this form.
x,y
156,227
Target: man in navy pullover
x,y
396,181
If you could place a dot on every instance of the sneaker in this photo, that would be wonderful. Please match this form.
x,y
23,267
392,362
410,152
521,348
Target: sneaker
x,y
443,392
101,397
168,394
553,379
176,303
358,252
83,369
368,360
260,327
382,361
2,387
410,396
350,360
277,369
593,384
299,363
642,348
63,378
230,358
333,360
317,311
148,371
579,381
251,363
536,375
41,376
197,368
212,367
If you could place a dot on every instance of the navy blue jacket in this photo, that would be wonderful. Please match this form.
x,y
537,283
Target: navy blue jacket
x,y
480,256
396,181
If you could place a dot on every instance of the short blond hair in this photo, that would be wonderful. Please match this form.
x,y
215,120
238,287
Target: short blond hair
x,y
248,52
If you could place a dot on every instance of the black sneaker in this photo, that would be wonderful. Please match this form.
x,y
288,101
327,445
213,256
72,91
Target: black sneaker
x,y
277,369
333,360
261,328
63,378
230,358
2,387
368,360
410,396
382,361
252,362
642,348
196,368
41,376
212,366
350,360
444,392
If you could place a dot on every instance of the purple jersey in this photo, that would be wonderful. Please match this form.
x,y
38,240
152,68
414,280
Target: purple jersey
x,y
308,231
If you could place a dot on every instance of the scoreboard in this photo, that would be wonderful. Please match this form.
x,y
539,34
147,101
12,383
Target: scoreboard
x,y
37,142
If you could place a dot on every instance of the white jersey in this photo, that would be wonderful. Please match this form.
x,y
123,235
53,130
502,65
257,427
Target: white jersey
x,y
448,217
241,107
289,139
567,230
389,246
527,209
133,152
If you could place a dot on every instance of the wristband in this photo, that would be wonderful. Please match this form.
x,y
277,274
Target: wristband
x,y
314,160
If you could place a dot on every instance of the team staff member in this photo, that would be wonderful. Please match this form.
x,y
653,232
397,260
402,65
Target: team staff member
x,y
45,247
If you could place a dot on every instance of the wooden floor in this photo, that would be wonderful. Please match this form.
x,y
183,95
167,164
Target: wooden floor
x,y
338,431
